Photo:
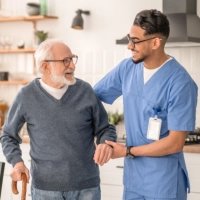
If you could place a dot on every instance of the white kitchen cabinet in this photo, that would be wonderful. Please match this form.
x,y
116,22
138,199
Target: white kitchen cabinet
x,y
6,189
193,165
111,192
111,175
6,193
193,196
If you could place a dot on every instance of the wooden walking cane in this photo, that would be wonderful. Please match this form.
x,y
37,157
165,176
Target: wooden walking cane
x,y
24,184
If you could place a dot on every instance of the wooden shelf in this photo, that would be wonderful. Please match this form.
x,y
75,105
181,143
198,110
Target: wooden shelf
x,y
17,50
14,82
32,19
26,18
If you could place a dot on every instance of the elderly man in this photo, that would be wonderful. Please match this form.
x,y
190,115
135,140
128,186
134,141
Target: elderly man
x,y
63,117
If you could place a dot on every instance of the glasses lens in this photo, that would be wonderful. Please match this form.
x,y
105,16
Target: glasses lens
x,y
128,37
130,40
67,61
74,59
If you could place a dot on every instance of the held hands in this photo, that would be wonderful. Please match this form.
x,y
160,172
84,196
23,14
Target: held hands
x,y
17,171
109,150
102,154
119,150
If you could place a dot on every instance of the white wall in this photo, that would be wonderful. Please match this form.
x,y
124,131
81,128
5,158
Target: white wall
x,y
95,45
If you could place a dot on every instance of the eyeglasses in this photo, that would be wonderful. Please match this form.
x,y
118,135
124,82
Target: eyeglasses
x,y
66,61
134,43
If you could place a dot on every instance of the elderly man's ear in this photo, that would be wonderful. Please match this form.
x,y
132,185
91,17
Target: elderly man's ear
x,y
46,67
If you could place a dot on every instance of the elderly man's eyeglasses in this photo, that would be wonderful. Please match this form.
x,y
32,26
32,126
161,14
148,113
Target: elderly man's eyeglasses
x,y
134,43
66,61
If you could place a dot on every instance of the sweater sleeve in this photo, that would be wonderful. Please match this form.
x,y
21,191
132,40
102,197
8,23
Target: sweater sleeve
x,y
10,139
102,129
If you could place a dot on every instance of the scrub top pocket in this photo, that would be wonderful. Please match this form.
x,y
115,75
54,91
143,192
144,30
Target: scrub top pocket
x,y
148,108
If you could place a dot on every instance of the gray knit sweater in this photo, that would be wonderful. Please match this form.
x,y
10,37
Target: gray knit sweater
x,y
61,135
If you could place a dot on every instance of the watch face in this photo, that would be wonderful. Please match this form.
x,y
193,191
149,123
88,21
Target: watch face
x,y
130,156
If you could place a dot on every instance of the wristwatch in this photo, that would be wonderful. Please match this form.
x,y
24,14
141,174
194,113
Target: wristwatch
x,y
128,152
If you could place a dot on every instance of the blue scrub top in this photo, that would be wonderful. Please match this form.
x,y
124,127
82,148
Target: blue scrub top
x,y
173,93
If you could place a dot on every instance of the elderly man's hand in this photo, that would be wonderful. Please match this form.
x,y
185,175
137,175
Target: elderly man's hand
x,y
17,171
102,154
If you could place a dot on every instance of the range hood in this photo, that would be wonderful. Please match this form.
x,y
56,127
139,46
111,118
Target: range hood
x,y
183,19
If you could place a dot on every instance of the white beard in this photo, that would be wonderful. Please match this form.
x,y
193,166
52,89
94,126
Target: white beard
x,y
61,79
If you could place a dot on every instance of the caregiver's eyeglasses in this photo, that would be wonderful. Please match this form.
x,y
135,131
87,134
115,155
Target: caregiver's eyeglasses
x,y
66,61
134,43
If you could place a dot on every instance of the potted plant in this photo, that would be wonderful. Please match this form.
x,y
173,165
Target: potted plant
x,y
41,36
118,121
115,118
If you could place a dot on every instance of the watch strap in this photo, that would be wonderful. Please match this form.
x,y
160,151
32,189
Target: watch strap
x,y
128,151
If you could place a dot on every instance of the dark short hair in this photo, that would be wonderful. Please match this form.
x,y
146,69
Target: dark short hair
x,y
153,22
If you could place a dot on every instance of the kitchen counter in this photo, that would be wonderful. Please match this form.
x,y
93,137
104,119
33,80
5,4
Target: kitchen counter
x,y
192,148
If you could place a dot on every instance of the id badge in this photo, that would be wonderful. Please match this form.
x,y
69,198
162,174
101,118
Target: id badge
x,y
153,132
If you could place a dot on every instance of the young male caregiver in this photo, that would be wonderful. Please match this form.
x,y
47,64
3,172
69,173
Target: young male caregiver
x,y
160,101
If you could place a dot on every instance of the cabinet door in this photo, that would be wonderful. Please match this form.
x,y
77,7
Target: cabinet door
x,y
6,193
112,172
111,192
193,165
8,167
111,175
6,189
193,196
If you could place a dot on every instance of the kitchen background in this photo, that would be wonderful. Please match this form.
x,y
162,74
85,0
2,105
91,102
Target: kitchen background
x,y
95,44
109,20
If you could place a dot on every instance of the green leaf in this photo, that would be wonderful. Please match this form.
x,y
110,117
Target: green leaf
x,y
115,118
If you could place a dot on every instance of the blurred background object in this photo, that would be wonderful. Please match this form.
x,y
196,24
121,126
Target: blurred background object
x,y
41,36
21,76
3,110
77,22
6,41
33,8
20,44
43,7
4,76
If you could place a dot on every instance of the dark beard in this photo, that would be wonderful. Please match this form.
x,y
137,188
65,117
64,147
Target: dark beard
x,y
137,61
140,59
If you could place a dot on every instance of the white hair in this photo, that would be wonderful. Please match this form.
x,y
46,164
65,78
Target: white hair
x,y
43,52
